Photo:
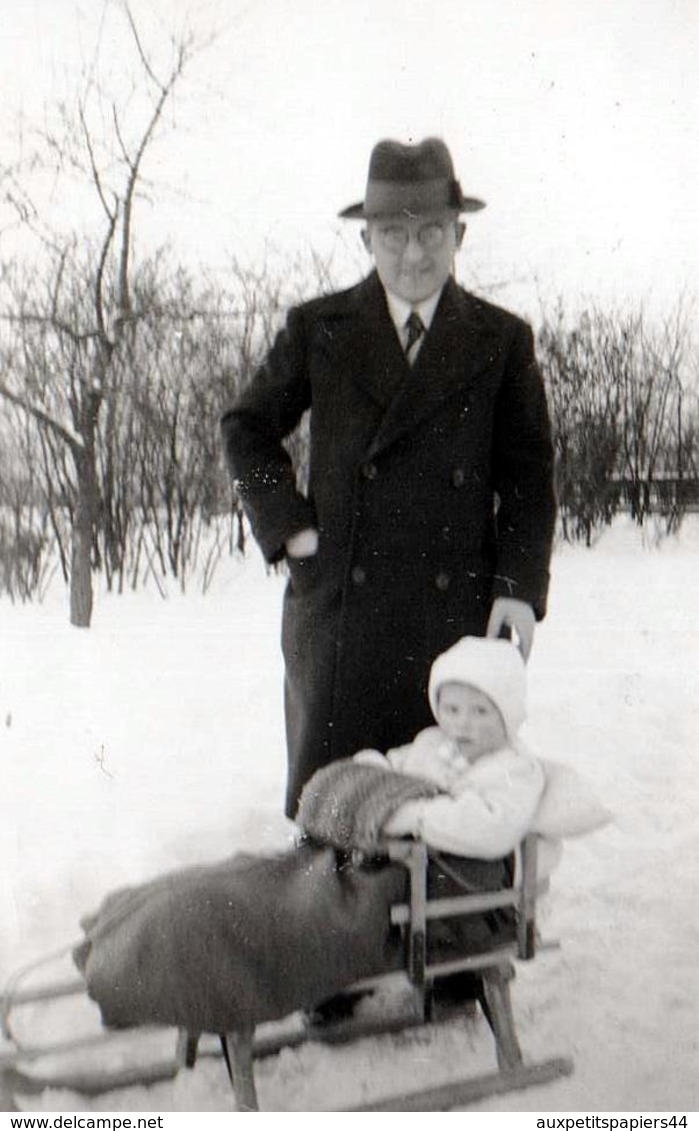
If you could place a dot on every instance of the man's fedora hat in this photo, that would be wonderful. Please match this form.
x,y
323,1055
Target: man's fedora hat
x,y
411,179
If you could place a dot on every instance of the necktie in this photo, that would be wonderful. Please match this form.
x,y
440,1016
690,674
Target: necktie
x,y
416,328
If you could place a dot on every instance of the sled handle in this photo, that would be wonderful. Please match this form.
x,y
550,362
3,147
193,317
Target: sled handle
x,y
12,996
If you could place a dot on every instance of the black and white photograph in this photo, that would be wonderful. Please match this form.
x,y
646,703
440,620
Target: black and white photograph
x,y
349,556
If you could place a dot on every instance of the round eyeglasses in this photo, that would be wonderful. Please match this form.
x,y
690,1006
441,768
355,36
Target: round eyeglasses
x,y
396,237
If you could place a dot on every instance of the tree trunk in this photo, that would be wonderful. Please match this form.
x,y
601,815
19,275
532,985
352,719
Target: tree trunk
x,y
81,578
81,598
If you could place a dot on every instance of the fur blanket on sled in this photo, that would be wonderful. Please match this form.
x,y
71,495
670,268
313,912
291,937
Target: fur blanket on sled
x,y
252,938
347,803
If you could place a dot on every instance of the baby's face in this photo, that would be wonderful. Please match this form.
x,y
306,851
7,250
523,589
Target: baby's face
x,y
471,719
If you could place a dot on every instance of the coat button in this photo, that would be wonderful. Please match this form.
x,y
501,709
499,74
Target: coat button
x,y
369,470
358,575
442,580
458,477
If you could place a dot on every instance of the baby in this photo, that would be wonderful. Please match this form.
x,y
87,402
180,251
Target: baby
x,y
492,786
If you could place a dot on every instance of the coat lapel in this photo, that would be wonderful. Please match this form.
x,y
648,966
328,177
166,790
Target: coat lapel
x,y
458,346
380,367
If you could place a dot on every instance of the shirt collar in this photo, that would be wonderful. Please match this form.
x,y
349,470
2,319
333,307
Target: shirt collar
x,y
400,310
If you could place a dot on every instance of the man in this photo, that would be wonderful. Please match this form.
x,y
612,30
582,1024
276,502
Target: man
x,y
430,509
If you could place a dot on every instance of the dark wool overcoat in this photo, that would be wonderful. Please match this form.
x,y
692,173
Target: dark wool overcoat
x,y
432,491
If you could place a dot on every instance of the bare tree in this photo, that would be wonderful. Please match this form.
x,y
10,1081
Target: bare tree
x,y
646,361
25,565
621,397
82,318
585,410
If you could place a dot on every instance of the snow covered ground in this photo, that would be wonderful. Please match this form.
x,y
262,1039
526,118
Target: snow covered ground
x,y
155,740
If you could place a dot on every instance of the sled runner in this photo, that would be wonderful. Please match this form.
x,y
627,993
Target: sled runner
x,y
25,1067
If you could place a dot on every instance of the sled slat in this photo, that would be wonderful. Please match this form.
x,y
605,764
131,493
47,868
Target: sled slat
x,y
89,1082
43,993
21,1053
459,904
445,1097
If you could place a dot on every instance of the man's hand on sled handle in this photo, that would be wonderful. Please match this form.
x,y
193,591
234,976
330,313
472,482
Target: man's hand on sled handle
x,y
508,616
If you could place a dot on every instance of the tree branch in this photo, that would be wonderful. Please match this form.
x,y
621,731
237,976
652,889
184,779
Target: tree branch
x,y
74,442
99,279
93,164
51,320
139,47
135,164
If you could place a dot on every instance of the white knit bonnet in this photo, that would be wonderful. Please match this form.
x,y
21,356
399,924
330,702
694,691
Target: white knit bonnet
x,y
495,667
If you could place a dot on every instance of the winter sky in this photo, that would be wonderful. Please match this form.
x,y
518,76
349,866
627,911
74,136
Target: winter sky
x,y
576,120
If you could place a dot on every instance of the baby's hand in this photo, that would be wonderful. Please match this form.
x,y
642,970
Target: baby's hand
x,y
451,784
456,780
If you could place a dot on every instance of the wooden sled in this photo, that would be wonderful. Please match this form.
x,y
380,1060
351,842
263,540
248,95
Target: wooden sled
x,y
495,970
24,1068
